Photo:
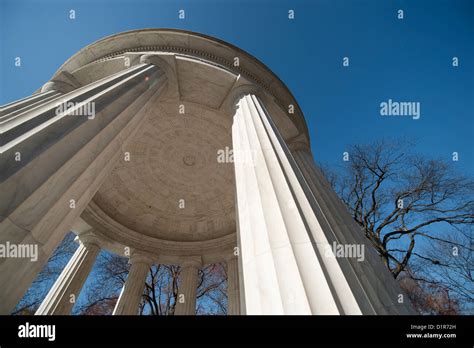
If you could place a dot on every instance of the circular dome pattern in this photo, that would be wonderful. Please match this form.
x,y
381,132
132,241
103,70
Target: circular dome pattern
x,y
173,188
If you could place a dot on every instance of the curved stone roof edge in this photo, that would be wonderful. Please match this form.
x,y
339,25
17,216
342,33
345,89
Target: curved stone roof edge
x,y
85,56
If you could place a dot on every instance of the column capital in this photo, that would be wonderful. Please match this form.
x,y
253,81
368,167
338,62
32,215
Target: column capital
x,y
229,256
193,261
150,59
137,257
88,238
299,143
64,82
162,62
239,92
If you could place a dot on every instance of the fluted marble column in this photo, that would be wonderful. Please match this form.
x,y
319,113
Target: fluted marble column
x,y
66,289
283,266
132,290
233,295
64,161
188,279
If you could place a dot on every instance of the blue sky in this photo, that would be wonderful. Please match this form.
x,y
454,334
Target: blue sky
x,y
402,60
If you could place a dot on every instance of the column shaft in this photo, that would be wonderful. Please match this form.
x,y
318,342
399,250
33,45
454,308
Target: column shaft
x,y
187,290
59,299
281,257
272,283
330,270
233,295
132,290
27,104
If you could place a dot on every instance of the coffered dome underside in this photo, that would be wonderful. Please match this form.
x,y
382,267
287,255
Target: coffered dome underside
x,y
173,188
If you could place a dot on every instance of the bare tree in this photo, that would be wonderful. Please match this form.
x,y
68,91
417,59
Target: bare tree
x,y
452,273
429,297
109,274
161,289
410,207
212,290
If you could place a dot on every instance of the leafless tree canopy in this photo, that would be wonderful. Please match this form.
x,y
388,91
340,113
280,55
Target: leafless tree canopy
x,y
102,289
416,212
161,288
